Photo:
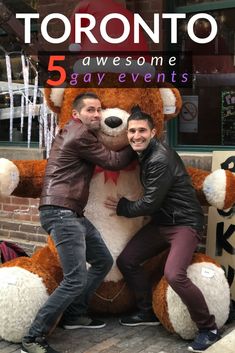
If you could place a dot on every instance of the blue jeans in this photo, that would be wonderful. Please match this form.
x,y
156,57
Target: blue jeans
x,y
77,242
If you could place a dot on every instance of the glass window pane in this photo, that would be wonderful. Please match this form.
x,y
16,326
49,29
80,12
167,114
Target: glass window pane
x,y
208,114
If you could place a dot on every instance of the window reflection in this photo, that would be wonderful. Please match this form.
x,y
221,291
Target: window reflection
x,y
213,91
216,56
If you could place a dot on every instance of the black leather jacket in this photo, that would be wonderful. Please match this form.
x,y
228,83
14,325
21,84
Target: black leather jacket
x,y
168,193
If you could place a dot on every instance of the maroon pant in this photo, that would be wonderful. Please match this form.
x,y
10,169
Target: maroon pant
x,y
152,240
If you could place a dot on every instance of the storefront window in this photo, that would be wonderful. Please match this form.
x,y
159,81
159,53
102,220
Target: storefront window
x,y
208,114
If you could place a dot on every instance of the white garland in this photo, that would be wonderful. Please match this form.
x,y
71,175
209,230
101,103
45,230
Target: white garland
x,y
9,81
22,114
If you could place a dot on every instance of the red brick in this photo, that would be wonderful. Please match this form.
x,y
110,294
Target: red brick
x,y
34,202
20,201
21,216
24,209
10,208
35,218
34,210
5,199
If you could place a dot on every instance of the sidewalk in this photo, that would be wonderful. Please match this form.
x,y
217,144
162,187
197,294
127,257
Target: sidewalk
x,y
115,338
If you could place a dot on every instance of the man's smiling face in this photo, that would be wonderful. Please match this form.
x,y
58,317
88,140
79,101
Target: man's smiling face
x,y
139,134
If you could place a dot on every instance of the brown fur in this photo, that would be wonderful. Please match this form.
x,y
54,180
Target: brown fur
x,y
43,263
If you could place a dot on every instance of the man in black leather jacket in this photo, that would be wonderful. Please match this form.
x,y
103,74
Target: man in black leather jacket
x,y
176,223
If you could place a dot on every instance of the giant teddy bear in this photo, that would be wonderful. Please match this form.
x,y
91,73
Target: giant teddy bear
x,y
24,178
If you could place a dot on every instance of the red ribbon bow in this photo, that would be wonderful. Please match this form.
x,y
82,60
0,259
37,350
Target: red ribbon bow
x,y
114,175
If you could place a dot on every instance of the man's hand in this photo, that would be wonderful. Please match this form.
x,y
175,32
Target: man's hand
x,y
111,203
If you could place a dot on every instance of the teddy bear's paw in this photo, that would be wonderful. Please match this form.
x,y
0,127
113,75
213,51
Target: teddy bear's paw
x,y
22,294
219,189
209,277
9,177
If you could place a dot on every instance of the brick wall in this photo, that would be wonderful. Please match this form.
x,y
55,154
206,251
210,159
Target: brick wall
x,y
19,223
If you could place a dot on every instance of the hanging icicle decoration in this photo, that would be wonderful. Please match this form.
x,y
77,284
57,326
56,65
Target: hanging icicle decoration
x,y
9,82
52,129
45,126
22,113
26,91
28,111
48,140
30,115
35,93
29,106
40,120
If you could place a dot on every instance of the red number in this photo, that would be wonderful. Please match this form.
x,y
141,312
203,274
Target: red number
x,y
61,70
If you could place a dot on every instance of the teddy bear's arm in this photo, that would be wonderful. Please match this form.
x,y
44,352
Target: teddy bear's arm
x,y
21,177
214,188
197,177
31,177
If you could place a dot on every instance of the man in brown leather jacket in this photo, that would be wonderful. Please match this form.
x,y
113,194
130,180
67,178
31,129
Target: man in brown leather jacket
x,y
74,154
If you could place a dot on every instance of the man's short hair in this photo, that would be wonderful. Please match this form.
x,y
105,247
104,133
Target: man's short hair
x,y
137,114
78,102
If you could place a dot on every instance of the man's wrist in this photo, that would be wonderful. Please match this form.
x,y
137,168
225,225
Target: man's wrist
x,y
121,206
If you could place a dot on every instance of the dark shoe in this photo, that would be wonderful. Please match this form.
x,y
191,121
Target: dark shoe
x,y
140,318
203,340
38,345
83,322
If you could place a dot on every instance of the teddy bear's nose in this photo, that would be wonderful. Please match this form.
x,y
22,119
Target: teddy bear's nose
x,y
113,121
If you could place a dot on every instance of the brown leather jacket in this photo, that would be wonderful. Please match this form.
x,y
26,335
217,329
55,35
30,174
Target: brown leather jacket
x,y
73,157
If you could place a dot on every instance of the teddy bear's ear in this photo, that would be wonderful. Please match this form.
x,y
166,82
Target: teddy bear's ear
x,y
54,98
172,102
